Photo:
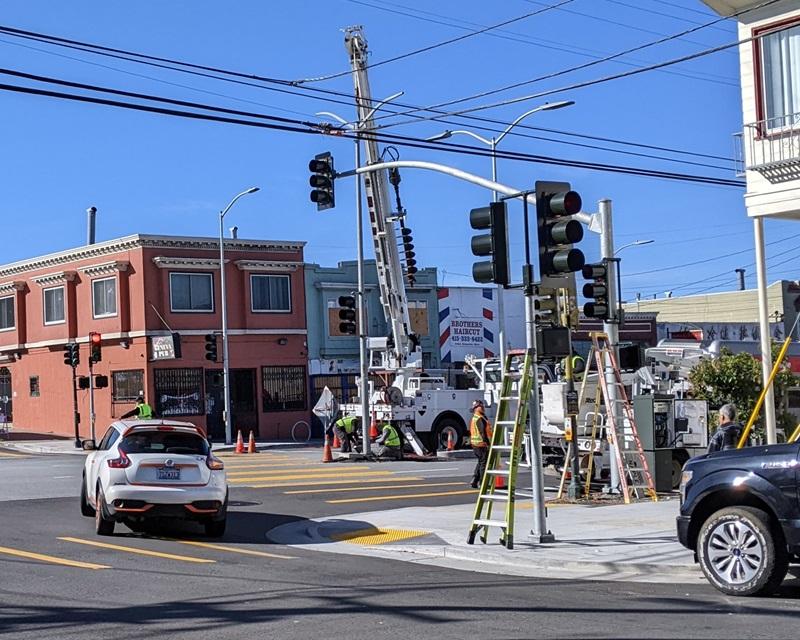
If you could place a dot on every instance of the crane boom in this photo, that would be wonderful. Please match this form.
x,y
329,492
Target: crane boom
x,y
382,223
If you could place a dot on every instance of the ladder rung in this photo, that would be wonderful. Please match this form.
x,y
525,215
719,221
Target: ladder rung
x,y
502,447
508,398
496,497
498,472
490,523
506,422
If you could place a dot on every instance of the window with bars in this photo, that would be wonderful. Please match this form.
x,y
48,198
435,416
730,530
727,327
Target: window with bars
x,y
126,385
179,392
284,388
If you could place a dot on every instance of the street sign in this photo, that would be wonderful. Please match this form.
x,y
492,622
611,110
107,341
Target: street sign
x,y
326,406
162,348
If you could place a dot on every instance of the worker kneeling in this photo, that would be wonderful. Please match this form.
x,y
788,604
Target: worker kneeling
x,y
389,445
345,429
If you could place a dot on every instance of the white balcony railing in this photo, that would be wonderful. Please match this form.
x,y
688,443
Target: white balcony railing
x,y
771,147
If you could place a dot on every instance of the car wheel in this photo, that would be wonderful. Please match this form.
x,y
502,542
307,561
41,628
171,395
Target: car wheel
x,y
215,528
740,554
86,509
678,460
103,525
442,431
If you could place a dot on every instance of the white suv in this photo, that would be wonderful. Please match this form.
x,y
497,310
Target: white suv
x,y
148,469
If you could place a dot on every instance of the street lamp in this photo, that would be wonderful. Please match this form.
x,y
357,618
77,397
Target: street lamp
x,y
635,243
226,381
492,143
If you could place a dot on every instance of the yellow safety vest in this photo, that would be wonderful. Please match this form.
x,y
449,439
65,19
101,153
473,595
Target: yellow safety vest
x,y
145,411
393,440
347,424
475,438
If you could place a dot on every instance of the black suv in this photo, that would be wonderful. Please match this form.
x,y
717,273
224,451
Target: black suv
x,y
740,514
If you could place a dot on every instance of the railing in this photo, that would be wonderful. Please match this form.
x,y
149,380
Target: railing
x,y
772,148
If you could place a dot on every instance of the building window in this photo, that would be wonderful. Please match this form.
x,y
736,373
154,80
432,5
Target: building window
x,y
179,392
54,305
284,388
270,294
418,314
34,384
191,292
104,297
780,77
126,385
7,313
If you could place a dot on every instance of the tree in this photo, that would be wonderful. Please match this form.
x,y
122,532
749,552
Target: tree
x,y
736,378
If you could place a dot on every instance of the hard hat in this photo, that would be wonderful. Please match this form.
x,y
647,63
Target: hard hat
x,y
476,404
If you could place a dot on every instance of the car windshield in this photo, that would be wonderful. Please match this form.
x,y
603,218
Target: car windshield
x,y
164,442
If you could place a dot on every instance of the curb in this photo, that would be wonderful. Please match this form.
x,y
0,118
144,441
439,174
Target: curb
x,y
40,450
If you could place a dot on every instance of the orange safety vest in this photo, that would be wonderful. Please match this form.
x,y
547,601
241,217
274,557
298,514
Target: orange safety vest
x,y
475,438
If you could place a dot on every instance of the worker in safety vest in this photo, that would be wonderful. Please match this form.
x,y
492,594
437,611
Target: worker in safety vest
x,y
141,411
345,429
480,437
578,367
389,444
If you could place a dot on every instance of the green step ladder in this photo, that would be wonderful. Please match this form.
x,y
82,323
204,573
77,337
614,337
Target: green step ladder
x,y
505,449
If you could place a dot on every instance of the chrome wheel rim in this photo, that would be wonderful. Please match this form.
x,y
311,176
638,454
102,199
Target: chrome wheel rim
x,y
735,553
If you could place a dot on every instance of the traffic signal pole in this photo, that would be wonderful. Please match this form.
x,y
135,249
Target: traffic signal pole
x,y
91,395
75,415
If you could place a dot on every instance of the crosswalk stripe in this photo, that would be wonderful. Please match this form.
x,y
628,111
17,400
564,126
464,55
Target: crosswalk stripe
x,y
330,483
19,553
385,486
304,476
326,469
403,497
141,552
249,552
265,468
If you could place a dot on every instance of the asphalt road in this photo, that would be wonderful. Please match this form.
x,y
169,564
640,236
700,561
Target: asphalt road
x,y
179,584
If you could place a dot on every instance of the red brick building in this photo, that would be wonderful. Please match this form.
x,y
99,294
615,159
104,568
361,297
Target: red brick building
x,y
136,289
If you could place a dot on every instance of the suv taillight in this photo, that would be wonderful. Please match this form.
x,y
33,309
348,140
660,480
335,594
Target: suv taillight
x,y
214,463
123,462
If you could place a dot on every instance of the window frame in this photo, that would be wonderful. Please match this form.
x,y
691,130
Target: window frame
x,y
271,275
63,305
160,376
285,370
763,130
34,388
13,326
114,386
116,298
210,277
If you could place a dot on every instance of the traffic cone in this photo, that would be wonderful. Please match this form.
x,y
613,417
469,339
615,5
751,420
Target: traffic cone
x,y
336,443
451,440
373,428
327,455
251,444
239,443
499,482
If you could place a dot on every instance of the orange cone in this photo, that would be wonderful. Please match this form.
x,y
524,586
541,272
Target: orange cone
x,y
239,443
373,428
451,440
327,455
251,444
336,443
499,482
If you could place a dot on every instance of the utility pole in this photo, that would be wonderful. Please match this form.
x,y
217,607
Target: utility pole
x,y
91,396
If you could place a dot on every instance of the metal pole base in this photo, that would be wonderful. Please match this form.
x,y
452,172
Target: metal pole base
x,y
544,538
575,491
78,444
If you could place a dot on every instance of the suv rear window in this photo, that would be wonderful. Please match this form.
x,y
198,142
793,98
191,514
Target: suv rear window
x,y
164,442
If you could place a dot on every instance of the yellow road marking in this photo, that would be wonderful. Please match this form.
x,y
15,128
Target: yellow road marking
x,y
7,454
304,476
377,536
337,470
330,483
410,495
385,486
249,552
51,559
284,468
141,552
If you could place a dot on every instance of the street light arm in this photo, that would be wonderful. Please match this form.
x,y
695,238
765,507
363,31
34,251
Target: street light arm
x,y
338,118
232,202
541,107
485,141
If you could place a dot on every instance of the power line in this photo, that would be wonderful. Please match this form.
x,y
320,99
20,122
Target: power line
x,y
665,15
437,45
285,87
578,85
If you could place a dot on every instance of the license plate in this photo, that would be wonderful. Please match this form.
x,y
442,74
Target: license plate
x,y
165,473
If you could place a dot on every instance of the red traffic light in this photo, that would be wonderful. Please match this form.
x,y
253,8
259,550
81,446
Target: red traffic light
x,y
95,338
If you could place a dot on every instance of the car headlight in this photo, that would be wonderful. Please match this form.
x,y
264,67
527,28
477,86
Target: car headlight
x,y
686,477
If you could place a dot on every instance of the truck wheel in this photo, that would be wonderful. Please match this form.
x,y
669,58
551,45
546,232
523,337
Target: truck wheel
x,y
679,459
740,554
442,431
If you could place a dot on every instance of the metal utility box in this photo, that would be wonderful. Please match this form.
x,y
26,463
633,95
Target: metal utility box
x,y
660,464
655,421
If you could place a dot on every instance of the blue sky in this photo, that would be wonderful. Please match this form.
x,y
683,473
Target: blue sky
x,y
156,174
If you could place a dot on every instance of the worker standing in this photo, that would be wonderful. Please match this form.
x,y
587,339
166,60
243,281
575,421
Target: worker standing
x,y
728,433
142,410
345,429
389,444
480,437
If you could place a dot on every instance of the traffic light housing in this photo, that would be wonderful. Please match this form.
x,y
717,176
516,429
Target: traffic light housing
x,y
493,244
596,291
72,355
347,315
321,181
100,382
211,347
95,347
557,231
545,304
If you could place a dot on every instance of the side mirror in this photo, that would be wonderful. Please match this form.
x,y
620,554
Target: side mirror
x,y
89,445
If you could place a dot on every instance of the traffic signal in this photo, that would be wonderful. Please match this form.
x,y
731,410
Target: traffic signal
x,y
72,355
493,244
100,382
95,349
322,177
347,315
596,291
211,347
546,305
83,382
555,203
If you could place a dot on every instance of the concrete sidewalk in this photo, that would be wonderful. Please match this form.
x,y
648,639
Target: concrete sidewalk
x,y
634,542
